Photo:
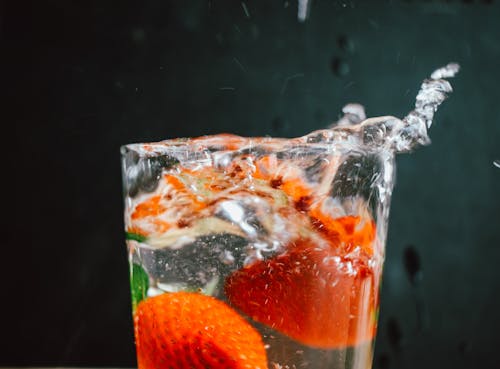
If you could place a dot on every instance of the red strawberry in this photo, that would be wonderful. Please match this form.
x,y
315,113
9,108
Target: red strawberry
x,y
190,330
310,294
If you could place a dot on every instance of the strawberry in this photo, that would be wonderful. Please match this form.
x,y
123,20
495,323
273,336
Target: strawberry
x,y
309,294
189,330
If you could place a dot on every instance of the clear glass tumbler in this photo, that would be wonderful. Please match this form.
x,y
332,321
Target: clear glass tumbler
x,y
255,252
265,252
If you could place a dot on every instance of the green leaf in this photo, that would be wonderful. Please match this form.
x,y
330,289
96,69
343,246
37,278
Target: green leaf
x,y
139,284
135,237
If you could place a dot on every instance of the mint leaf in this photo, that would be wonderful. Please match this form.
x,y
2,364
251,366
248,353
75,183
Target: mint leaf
x,y
139,284
135,237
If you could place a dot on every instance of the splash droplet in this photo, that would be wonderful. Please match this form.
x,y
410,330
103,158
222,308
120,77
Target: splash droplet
x,y
412,264
353,114
432,93
345,44
302,10
384,361
340,67
447,71
394,333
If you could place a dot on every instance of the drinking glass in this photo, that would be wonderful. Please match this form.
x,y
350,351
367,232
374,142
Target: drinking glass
x,y
265,252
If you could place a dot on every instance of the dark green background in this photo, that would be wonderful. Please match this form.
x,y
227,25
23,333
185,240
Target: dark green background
x,y
80,78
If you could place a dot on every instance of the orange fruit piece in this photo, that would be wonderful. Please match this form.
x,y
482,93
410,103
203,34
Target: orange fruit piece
x,y
189,330
351,230
151,207
309,294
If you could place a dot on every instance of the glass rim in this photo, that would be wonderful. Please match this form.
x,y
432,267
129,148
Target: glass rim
x,y
330,141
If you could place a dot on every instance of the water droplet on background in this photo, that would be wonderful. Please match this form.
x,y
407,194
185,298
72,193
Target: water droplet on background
x,y
345,44
384,361
302,10
394,333
340,67
412,264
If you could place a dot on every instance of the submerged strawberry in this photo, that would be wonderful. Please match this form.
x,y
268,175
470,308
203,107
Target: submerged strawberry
x,y
309,294
190,330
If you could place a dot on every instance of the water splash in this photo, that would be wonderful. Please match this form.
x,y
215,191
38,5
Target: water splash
x,y
447,71
388,132
353,114
432,93
303,10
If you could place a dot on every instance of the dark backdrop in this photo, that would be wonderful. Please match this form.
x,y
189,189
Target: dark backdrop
x,y
80,78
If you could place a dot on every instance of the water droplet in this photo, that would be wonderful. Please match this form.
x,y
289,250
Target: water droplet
x,y
302,10
394,333
496,163
384,361
447,71
227,257
245,9
345,44
412,264
340,67
353,114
